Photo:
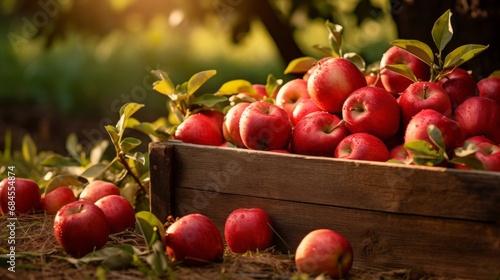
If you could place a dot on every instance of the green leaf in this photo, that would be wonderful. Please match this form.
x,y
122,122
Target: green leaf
x,y
403,70
495,74
164,85
29,149
126,111
158,259
335,38
470,161
436,136
324,50
198,79
137,156
72,146
273,85
149,226
208,99
109,257
113,133
462,54
300,65
235,87
175,117
129,143
98,151
64,180
424,153
442,31
468,149
59,161
357,60
94,170
417,48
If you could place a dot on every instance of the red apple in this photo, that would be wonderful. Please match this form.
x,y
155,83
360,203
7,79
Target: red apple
x,y
304,107
248,229
372,110
80,227
394,82
216,116
98,189
231,125
373,79
290,94
318,134
490,87
424,95
362,146
324,251
19,196
194,240
265,126
332,81
488,153
199,129
119,212
450,129
459,85
479,116
399,153
56,199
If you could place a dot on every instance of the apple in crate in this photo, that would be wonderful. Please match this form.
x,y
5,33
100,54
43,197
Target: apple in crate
x,y
201,129
332,81
362,146
290,94
394,82
194,240
372,110
490,87
231,124
98,189
56,199
318,134
80,227
487,153
19,195
303,108
248,229
119,212
324,251
265,126
479,116
459,85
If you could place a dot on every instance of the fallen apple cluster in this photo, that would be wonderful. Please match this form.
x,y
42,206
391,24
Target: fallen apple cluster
x,y
336,110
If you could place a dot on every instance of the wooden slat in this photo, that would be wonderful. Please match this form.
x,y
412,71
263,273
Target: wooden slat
x,y
383,241
161,168
386,187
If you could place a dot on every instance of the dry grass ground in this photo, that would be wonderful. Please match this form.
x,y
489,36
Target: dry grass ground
x,y
40,257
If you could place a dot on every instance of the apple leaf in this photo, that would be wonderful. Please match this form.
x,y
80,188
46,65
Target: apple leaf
x,y
94,170
137,156
113,133
164,85
417,48
235,87
149,226
462,54
470,161
129,143
126,111
357,60
273,85
442,31
28,149
64,180
208,99
59,161
495,74
175,117
324,50
423,153
300,65
436,136
335,38
198,79
98,151
158,259
403,70
114,257
468,149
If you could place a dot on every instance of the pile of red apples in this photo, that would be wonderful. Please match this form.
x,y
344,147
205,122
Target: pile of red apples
x,y
337,110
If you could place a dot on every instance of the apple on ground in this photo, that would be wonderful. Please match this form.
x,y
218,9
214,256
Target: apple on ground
x,y
479,116
488,153
98,189
324,251
460,85
394,82
362,146
200,129
19,196
332,81
248,229
231,124
424,95
56,199
372,110
194,240
119,212
490,87
265,126
318,134
290,94
303,108
80,227
450,129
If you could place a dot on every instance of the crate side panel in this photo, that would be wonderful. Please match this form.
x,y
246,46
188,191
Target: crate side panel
x,y
373,186
447,247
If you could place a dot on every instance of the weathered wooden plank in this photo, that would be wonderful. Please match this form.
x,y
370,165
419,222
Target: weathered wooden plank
x,y
161,159
446,247
427,191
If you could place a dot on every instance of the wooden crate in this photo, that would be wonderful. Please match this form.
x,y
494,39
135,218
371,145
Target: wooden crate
x,y
434,220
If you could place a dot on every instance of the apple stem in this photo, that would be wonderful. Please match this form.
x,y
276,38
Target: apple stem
x,y
342,122
425,91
